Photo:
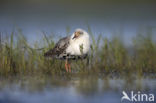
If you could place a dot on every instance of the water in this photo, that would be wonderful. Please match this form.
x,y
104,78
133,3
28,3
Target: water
x,y
57,95
73,90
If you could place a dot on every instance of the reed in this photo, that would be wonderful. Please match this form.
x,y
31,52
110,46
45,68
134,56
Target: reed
x,y
107,56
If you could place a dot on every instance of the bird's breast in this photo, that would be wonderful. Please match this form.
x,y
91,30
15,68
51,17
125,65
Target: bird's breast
x,y
79,46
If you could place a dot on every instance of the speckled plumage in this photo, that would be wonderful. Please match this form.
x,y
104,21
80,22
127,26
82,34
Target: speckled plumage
x,y
69,48
59,49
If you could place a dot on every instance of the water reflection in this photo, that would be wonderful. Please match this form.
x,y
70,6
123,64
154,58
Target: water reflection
x,y
84,89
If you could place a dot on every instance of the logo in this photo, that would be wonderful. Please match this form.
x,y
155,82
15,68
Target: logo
x,y
137,97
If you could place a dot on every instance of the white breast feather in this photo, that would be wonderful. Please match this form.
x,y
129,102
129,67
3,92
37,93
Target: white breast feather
x,y
74,46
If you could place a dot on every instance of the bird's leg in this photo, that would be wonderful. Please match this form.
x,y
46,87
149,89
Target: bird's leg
x,y
69,68
66,65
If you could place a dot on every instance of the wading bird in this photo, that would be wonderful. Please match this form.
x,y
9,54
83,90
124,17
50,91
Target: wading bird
x,y
72,47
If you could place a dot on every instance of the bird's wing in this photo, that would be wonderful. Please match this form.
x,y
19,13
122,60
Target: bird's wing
x,y
59,48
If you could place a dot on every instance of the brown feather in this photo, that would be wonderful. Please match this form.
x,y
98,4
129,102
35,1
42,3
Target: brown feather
x,y
59,48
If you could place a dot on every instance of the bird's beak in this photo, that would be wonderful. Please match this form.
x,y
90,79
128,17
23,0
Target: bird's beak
x,y
74,37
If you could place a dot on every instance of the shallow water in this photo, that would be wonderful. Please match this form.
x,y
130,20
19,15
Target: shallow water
x,y
75,90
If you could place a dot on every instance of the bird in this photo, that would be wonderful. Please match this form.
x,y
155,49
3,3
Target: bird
x,y
72,47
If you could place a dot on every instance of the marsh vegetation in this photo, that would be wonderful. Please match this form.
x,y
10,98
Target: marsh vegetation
x,y
110,68
108,57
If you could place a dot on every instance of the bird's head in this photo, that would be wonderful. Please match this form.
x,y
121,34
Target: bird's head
x,y
78,33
